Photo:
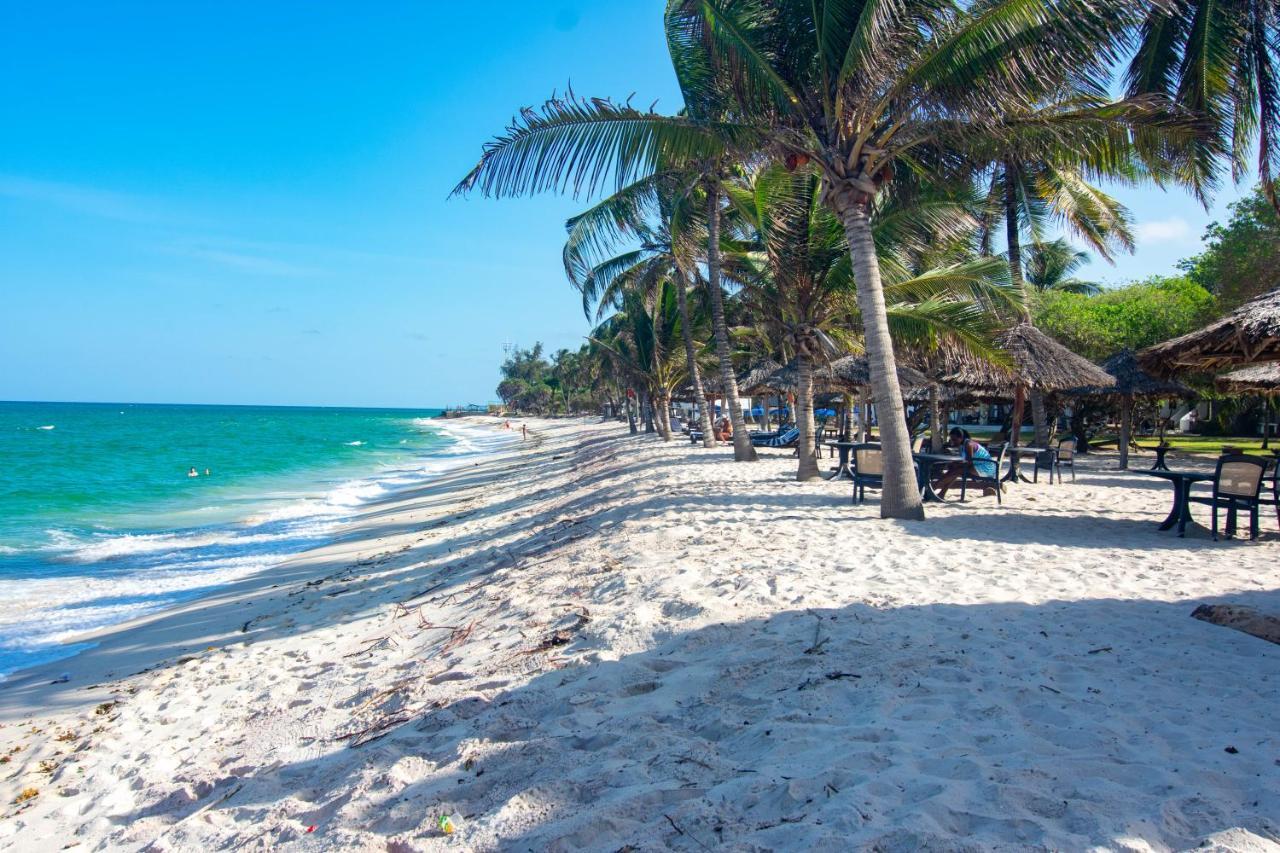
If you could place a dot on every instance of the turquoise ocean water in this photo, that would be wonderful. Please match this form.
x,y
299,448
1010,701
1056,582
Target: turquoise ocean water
x,y
100,522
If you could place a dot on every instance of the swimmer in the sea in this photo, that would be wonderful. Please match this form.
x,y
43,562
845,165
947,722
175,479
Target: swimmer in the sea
x,y
193,472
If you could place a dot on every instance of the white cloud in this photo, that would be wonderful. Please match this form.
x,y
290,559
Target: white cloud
x,y
1175,229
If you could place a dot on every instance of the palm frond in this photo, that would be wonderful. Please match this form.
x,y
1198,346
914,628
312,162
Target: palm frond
x,y
579,145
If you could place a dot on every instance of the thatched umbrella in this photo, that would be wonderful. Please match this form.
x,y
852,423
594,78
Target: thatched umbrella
x,y
957,377
1248,335
1036,363
756,379
1132,383
850,374
1261,379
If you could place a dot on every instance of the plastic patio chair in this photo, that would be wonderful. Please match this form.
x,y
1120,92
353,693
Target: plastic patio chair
x,y
968,477
1237,485
1064,455
868,470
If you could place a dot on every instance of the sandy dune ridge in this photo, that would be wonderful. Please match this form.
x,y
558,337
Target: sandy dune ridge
x,y
597,641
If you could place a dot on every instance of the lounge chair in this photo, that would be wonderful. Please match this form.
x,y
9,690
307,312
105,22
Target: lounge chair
x,y
1237,484
784,439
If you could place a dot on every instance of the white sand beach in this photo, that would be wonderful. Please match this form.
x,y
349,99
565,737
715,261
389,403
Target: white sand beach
x,y
595,641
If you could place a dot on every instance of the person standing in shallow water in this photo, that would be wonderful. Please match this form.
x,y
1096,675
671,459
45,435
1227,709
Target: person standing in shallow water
x,y
524,432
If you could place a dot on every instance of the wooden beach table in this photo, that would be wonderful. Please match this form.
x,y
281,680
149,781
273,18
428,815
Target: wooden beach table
x,y
1181,481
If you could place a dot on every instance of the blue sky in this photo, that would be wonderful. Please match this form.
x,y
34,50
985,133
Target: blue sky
x,y
246,202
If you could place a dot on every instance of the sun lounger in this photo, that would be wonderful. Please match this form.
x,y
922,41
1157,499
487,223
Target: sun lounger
x,y
785,439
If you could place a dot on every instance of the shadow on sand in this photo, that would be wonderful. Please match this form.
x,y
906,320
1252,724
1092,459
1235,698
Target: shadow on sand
x,y
944,727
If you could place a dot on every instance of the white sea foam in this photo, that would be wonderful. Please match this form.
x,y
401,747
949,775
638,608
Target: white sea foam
x,y
354,443
47,426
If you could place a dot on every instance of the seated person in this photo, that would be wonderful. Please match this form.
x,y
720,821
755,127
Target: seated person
x,y
723,429
977,461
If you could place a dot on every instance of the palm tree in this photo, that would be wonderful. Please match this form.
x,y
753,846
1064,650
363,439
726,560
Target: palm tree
x,y
880,94
1219,61
640,339
874,94
797,279
655,216
1052,264
1036,181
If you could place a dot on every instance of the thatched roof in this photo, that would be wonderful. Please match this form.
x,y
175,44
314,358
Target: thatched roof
x,y
1041,363
748,382
1248,335
1131,380
755,380
1258,379
957,397
848,373
950,364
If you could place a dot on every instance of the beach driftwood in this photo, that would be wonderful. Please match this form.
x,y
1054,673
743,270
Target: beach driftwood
x,y
1244,619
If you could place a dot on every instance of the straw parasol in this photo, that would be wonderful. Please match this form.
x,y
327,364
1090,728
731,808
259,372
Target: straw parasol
x,y
1131,383
1261,379
1042,364
1248,335
1036,363
756,379
850,375
846,374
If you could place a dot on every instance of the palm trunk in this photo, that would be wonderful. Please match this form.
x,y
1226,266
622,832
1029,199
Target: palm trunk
x,y
901,495
631,415
743,451
1126,429
808,468
846,428
646,408
1015,425
935,416
664,416
1038,414
690,354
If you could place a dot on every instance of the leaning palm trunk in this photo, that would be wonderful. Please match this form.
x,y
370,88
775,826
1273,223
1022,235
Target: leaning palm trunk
x,y
631,413
808,468
690,354
743,450
664,416
901,495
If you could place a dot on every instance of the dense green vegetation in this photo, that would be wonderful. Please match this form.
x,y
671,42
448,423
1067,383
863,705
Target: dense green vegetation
x,y
1241,259
1131,317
